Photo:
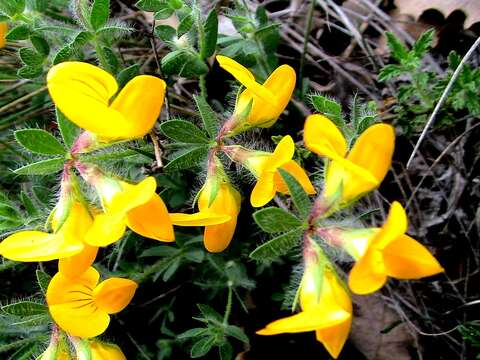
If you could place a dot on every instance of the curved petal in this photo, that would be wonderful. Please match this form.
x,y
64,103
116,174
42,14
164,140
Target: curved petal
x,y
323,137
264,189
373,150
298,173
201,218
104,351
38,246
132,196
152,220
394,227
406,258
114,294
75,86
76,265
63,290
368,274
246,78
107,228
140,103
334,337
282,154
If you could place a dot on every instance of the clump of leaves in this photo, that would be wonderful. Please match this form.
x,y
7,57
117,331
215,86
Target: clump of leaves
x,y
418,90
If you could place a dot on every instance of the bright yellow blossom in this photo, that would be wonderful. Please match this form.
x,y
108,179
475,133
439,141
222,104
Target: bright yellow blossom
x,y
82,306
389,252
136,206
84,92
365,166
326,306
3,33
218,205
267,101
104,351
269,181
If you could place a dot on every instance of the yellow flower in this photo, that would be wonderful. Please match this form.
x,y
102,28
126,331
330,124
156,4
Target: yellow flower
x,y
365,166
82,306
326,306
389,252
54,354
136,206
83,92
3,33
269,181
267,101
104,351
218,205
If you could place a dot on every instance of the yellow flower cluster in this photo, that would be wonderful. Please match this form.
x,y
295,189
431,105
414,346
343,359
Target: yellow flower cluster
x,y
81,304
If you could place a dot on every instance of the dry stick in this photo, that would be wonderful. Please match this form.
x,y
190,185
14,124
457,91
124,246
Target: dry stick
x,y
443,98
308,29
23,98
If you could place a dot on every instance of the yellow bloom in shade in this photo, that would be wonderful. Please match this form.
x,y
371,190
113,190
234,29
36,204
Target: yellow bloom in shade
x,y
390,252
3,33
218,205
83,92
136,206
326,305
82,306
104,351
267,101
269,181
365,166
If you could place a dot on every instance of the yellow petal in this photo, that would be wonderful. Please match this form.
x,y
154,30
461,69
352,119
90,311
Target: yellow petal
x,y
71,304
114,294
282,154
140,103
246,78
3,32
368,274
394,227
313,319
216,238
323,137
76,265
298,173
132,196
152,220
107,228
202,218
406,258
38,246
264,189
104,351
373,150
76,86
334,337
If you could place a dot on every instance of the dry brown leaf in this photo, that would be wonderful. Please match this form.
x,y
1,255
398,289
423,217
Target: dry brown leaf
x,y
415,8
371,317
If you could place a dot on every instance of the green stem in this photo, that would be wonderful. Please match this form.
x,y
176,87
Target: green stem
x,y
203,86
201,48
228,308
305,44
101,55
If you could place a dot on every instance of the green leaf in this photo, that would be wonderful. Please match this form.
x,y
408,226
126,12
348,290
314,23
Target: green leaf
x,y
398,51
28,204
112,60
12,7
185,25
275,220
183,131
195,332
43,279
44,167
237,333
423,43
63,54
189,159
299,196
164,13
165,32
330,108
389,71
209,118
30,57
183,63
68,129
261,15
211,33
150,5
171,269
202,347
100,13
127,74
25,308
209,314
30,72
176,4
39,141
21,32
278,246
40,44
225,351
